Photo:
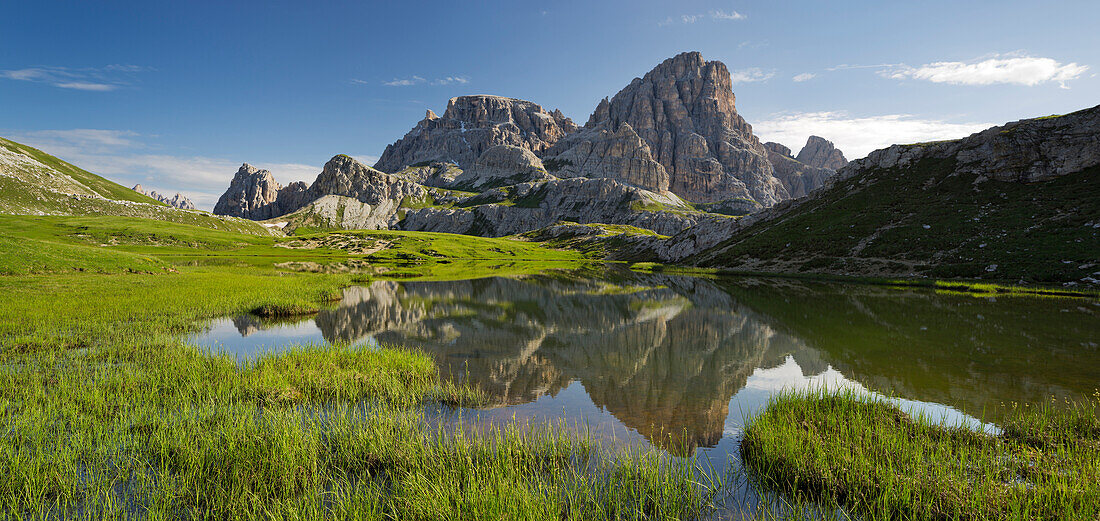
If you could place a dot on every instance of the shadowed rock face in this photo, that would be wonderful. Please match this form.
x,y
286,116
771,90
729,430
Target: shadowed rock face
x,y
685,111
799,178
470,126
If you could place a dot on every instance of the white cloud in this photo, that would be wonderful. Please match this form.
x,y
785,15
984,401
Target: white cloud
x,y
718,15
123,157
857,136
417,80
1007,69
404,82
752,74
722,15
451,80
101,79
805,76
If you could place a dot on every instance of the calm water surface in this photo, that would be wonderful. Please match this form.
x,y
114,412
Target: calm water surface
x,y
681,362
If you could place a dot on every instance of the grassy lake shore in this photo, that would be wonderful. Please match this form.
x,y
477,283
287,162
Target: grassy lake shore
x,y
870,458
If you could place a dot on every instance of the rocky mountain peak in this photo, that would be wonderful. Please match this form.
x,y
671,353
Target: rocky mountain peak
x,y
176,201
776,148
470,126
429,115
821,153
684,110
250,194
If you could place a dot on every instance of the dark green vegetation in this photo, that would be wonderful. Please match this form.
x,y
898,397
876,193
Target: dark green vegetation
x,y
928,221
878,462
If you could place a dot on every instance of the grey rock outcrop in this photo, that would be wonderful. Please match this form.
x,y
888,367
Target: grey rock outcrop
x,y
799,178
820,153
254,194
345,176
1026,151
502,165
531,206
176,201
621,155
685,111
470,126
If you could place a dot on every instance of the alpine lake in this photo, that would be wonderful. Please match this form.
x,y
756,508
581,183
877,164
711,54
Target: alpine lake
x,y
682,363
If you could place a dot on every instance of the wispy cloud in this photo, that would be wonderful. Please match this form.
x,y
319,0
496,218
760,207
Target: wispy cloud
x,y
750,75
100,79
130,158
999,69
404,82
716,15
451,80
723,15
857,136
805,76
419,80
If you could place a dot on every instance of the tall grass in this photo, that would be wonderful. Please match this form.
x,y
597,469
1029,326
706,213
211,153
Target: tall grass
x,y
869,457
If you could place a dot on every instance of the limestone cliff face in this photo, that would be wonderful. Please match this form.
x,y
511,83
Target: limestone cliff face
x,y
685,111
502,165
621,155
799,178
820,153
254,194
470,126
345,176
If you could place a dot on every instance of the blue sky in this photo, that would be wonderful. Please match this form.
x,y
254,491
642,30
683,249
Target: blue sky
x,y
175,95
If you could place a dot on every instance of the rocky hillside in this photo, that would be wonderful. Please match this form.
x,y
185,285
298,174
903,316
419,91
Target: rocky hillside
x,y
470,126
33,182
1016,203
176,201
506,191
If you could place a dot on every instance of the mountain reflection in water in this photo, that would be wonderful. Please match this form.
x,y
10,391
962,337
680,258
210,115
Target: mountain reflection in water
x,y
670,357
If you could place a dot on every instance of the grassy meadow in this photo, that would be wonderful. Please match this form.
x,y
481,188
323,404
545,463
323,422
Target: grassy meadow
x,y
107,413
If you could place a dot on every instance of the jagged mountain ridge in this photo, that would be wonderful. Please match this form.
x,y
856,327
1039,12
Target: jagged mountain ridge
x,y
676,130
176,201
470,126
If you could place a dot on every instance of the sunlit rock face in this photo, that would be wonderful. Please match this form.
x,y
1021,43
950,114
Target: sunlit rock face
x,y
684,110
470,126
821,153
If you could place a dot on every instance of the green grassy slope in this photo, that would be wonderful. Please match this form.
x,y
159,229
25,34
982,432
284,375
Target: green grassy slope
x,y
35,183
106,244
928,220
95,183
